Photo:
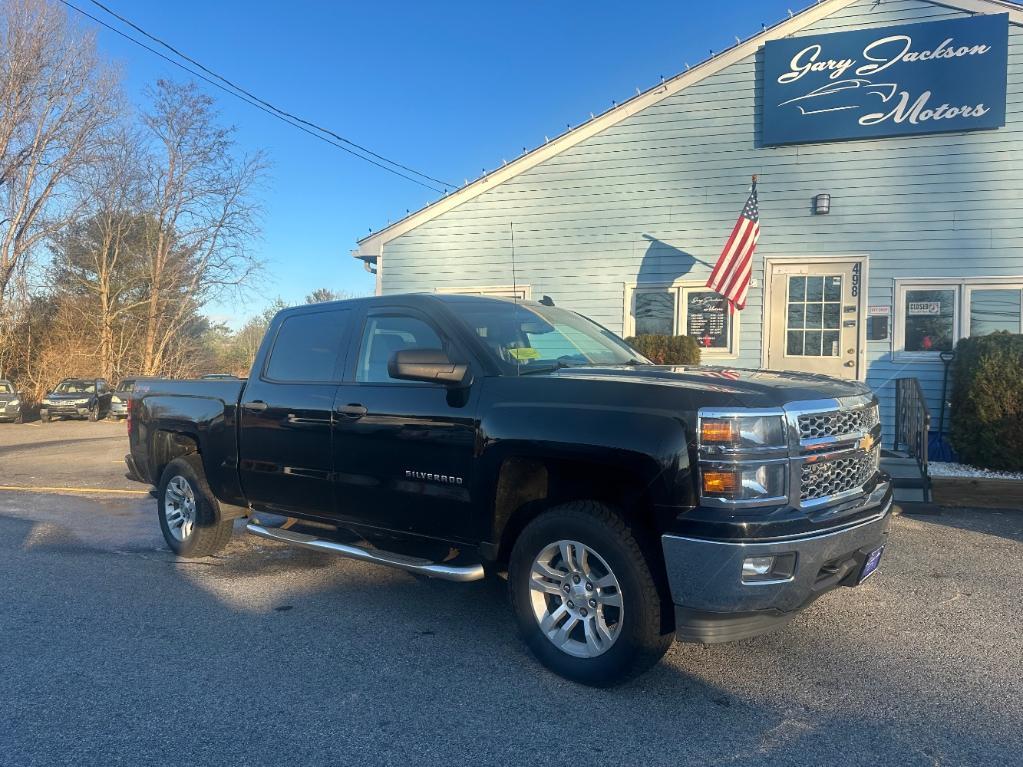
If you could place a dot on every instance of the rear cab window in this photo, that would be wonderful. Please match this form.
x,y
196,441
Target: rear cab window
x,y
307,347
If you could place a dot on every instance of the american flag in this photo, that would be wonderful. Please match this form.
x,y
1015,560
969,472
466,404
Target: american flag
x,y
731,274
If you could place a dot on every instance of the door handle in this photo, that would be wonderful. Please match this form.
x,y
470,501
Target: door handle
x,y
352,410
257,405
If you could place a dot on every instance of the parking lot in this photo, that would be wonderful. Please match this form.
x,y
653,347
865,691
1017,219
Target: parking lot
x,y
114,653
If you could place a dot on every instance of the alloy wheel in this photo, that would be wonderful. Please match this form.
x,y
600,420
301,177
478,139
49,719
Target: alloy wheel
x,y
179,508
576,599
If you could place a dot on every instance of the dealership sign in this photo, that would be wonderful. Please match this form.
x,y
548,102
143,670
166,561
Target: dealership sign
x,y
887,81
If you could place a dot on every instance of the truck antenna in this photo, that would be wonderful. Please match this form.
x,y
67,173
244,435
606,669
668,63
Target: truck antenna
x,y
515,284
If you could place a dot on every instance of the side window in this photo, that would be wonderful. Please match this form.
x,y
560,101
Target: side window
x,y
307,347
385,335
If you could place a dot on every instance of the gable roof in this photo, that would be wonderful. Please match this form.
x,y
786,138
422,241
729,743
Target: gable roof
x,y
371,246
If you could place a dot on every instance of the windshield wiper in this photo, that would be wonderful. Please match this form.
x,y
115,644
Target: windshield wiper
x,y
556,365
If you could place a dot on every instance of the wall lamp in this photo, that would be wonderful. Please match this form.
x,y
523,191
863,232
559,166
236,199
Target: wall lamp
x,y
822,204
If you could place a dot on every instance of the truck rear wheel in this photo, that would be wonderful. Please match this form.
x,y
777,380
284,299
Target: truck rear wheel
x,y
584,596
188,511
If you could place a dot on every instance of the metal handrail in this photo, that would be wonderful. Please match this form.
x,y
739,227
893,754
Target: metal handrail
x,y
912,422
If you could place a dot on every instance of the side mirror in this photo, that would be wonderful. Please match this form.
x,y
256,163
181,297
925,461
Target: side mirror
x,y
429,365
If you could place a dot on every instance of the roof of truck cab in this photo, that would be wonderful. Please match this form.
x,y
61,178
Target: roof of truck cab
x,y
444,298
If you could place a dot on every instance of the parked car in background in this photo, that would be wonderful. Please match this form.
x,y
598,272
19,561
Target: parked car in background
x,y
77,398
119,399
11,408
630,503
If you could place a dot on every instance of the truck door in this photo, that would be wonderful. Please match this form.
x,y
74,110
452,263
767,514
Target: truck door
x,y
403,450
285,442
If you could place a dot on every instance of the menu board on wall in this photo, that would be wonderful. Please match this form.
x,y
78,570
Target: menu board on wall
x,y
707,319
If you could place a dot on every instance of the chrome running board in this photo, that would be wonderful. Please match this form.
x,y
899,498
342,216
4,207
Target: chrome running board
x,y
473,572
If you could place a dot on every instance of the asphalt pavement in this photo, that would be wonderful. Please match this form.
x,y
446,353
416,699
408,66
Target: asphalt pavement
x,y
113,653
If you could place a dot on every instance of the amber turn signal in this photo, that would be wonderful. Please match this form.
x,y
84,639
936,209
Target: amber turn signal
x,y
719,482
716,431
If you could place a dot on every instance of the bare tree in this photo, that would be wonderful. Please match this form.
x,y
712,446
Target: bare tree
x,y
203,215
322,295
100,255
55,97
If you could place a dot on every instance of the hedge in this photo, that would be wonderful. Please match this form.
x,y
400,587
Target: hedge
x,y
987,401
667,350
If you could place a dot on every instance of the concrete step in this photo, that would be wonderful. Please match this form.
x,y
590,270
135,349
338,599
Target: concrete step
x,y
909,494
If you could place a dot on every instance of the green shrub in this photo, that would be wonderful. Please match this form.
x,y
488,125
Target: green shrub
x,y
667,350
987,401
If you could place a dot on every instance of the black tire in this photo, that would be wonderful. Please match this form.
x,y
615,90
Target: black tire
x,y
642,640
19,418
209,533
94,414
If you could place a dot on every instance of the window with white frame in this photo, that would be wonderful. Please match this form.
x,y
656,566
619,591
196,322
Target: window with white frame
x,y
933,315
691,310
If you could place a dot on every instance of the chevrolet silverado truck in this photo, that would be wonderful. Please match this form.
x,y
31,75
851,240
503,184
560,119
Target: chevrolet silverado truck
x,y
454,436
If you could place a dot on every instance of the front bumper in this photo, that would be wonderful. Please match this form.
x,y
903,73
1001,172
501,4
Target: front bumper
x,y
119,409
65,411
10,413
714,604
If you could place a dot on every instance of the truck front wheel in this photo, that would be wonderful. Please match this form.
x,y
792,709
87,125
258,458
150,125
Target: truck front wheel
x,y
188,510
584,596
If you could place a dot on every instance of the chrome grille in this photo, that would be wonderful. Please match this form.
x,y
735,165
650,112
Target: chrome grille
x,y
3,403
826,478
837,423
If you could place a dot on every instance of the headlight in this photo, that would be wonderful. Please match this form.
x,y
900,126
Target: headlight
x,y
735,432
13,403
115,399
744,482
46,401
744,458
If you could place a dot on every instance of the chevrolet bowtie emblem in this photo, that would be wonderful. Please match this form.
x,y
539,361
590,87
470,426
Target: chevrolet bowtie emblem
x,y
867,443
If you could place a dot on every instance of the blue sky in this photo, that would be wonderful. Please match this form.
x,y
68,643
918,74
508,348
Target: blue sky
x,y
448,88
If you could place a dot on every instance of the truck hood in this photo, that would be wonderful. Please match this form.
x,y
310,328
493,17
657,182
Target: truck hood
x,y
753,388
65,397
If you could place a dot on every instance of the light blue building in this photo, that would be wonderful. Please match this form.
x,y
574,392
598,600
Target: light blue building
x,y
909,137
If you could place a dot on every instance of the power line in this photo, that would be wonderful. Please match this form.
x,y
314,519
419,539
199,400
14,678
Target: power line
x,y
253,96
296,122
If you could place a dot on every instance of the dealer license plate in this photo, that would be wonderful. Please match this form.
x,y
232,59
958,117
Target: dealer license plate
x,y
870,566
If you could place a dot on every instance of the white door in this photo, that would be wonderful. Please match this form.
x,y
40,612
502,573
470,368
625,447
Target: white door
x,y
814,317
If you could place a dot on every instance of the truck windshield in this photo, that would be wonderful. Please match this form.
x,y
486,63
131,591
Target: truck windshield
x,y
526,338
126,386
75,387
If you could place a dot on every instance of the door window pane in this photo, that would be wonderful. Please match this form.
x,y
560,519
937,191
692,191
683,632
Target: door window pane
x,y
386,335
307,347
930,320
994,310
814,304
655,312
708,319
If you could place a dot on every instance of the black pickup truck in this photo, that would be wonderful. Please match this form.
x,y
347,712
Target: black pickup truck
x,y
453,436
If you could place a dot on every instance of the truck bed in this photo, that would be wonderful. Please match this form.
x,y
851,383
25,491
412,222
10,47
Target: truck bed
x,y
205,411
